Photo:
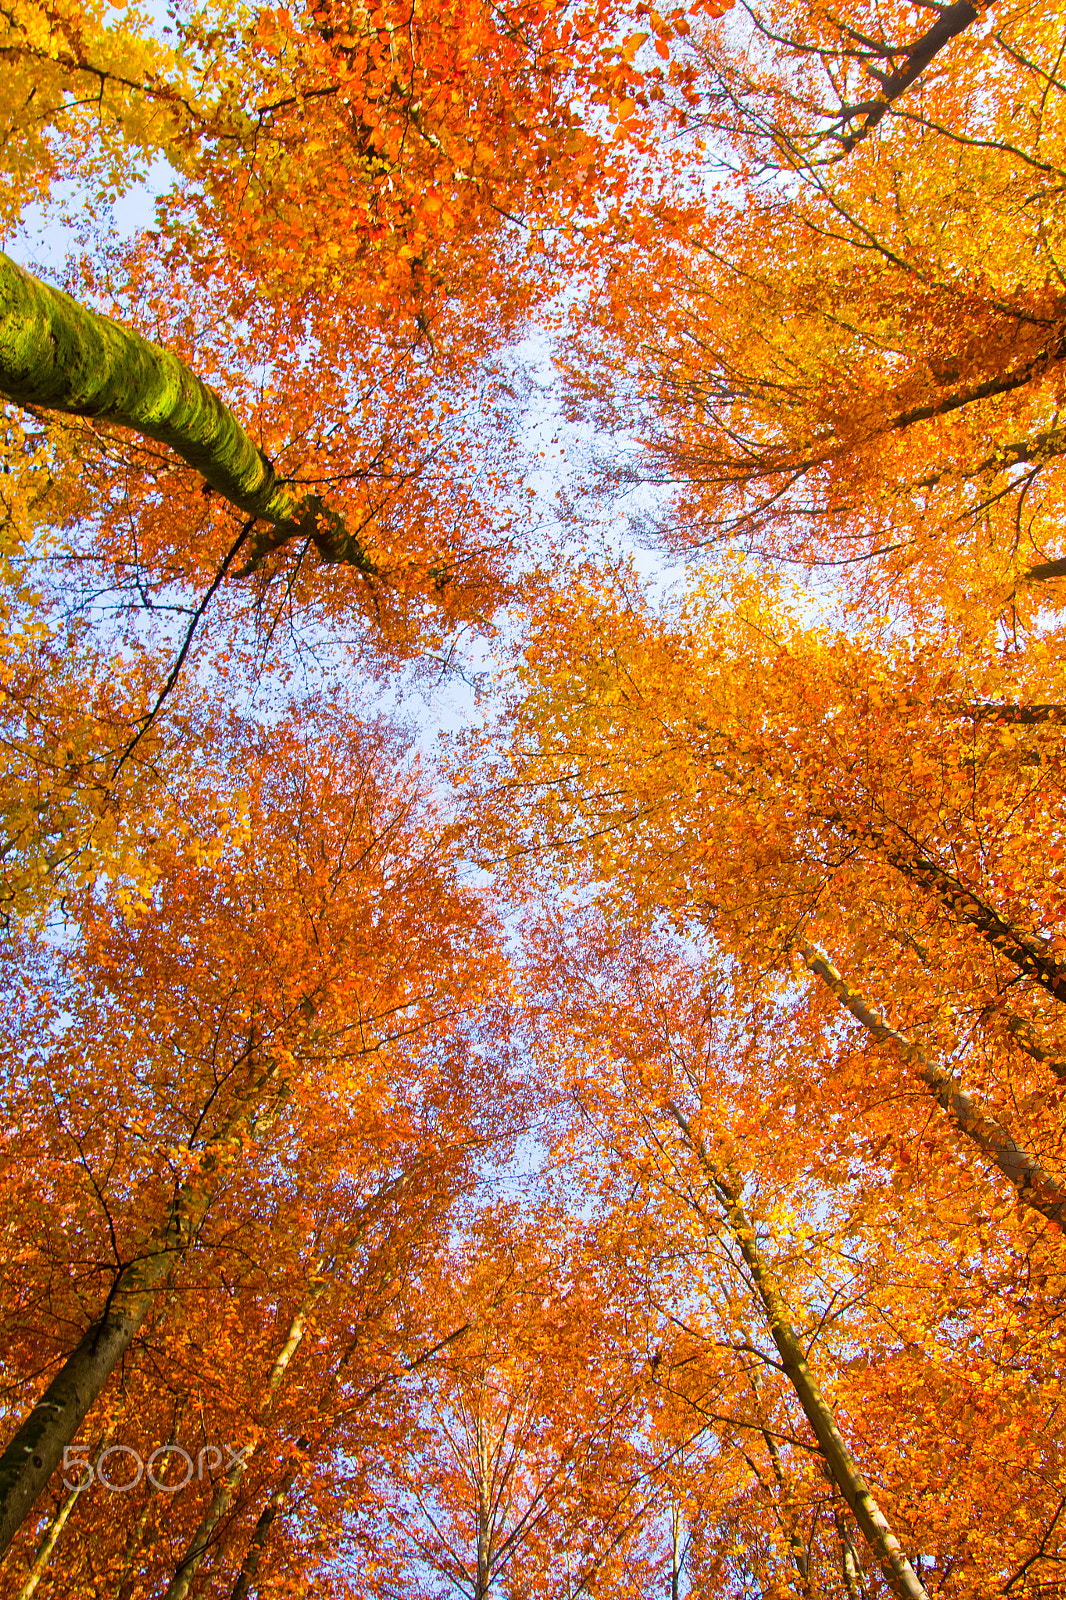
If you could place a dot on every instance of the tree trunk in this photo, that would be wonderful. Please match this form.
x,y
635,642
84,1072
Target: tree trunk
x,y
483,1473
127,1579
675,1552
261,1533
1035,1185
884,1545
848,1560
1030,952
223,1497
59,355
56,1526
38,1446
257,1544
788,1521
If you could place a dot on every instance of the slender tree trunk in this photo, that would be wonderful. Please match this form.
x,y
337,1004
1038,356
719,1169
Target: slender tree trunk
x,y
483,1491
56,1526
37,1447
132,1551
254,1554
1035,1185
278,1495
883,1543
59,355
788,1521
849,1561
1030,952
788,1528
675,1552
226,1490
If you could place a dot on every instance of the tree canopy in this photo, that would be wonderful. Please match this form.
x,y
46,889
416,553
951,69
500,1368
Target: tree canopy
x,y
607,1138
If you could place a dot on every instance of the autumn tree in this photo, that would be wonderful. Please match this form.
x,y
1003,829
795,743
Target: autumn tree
x,y
287,413
803,1295
851,821
793,959
517,1461
850,356
184,1058
798,791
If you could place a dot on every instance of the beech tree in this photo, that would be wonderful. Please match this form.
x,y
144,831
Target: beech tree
x,y
789,1317
290,402
516,1461
815,793
186,1054
775,791
850,355
739,912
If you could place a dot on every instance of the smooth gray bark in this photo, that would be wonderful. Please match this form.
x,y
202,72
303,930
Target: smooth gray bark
x,y
844,1469
1035,1185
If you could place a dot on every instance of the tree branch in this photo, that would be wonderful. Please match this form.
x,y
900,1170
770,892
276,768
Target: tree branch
x,y
57,354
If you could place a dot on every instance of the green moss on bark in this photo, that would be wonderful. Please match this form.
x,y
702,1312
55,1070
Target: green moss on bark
x,y
57,354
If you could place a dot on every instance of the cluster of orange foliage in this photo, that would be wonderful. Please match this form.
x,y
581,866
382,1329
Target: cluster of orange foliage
x,y
753,996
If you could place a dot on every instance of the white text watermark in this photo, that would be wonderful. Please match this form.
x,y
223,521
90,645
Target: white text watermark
x,y
108,1471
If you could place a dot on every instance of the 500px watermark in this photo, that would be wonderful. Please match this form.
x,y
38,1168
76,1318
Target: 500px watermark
x,y
208,1461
